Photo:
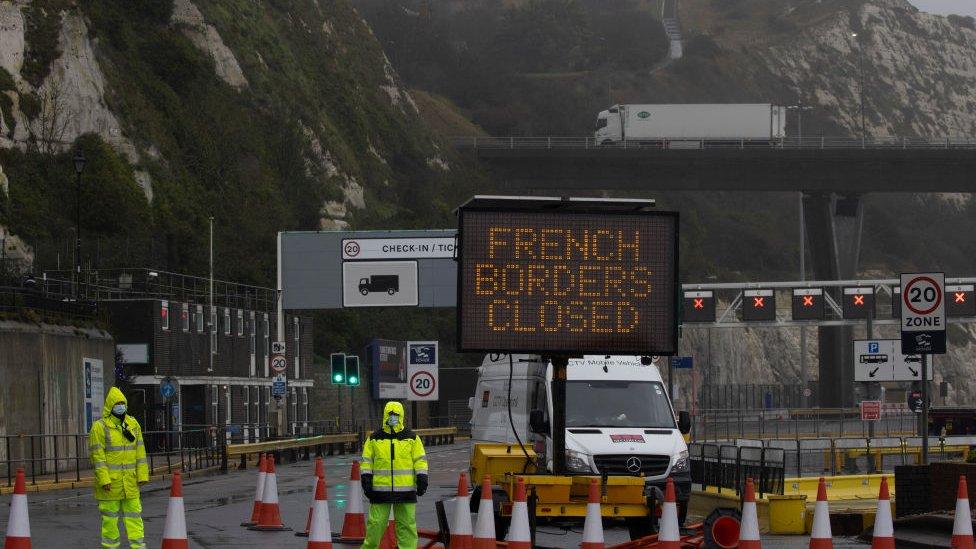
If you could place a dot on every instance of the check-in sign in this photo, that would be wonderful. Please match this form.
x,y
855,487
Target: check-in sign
x,y
397,248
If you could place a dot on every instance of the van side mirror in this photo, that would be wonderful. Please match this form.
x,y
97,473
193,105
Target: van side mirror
x,y
538,423
684,422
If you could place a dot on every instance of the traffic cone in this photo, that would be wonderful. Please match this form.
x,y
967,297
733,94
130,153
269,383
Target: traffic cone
x,y
461,525
270,519
962,526
18,523
174,529
884,530
389,541
519,534
593,527
320,532
319,473
749,525
484,530
262,475
669,536
820,536
354,522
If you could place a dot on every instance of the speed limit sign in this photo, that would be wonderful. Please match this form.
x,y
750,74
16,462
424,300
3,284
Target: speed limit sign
x,y
279,363
423,384
923,319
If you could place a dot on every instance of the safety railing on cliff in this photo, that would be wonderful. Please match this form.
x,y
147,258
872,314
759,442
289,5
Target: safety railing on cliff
x,y
706,143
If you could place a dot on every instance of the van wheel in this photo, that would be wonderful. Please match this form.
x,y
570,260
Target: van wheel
x,y
498,497
641,527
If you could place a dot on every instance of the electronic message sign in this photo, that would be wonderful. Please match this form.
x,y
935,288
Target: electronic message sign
x,y
568,282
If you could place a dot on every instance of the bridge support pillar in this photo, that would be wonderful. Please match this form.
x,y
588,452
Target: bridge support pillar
x,y
833,226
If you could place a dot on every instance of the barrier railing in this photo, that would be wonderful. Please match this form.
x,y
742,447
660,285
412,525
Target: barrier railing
x,y
64,457
702,143
718,425
726,466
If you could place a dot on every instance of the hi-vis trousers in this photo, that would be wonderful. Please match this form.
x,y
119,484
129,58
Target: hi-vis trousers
x,y
406,524
130,511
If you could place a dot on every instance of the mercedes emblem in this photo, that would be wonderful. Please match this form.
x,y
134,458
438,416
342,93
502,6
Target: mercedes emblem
x,y
634,465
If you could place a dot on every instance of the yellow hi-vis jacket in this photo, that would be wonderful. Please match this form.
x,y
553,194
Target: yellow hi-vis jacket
x,y
115,459
395,457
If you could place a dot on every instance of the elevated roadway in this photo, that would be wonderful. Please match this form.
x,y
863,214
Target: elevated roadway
x,y
812,165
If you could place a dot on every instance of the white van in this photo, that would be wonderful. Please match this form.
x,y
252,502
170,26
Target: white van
x,y
619,419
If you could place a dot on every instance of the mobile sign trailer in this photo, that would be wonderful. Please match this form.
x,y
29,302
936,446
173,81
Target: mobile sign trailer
x,y
557,279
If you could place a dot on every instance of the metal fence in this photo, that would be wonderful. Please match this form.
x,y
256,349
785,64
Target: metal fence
x,y
60,457
726,467
707,143
731,424
20,299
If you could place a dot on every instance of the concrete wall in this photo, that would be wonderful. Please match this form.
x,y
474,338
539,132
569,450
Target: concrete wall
x,y
42,390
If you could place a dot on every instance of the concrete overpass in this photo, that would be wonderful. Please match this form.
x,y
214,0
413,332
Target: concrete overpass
x,y
830,173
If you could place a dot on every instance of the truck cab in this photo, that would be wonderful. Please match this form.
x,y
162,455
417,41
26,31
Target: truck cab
x,y
608,126
619,418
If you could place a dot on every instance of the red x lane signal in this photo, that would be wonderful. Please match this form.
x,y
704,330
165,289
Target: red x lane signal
x,y
960,297
759,302
808,304
699,306
859,300
808,301
699,302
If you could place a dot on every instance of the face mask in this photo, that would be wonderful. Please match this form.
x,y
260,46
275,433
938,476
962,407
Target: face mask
x,y
119,409
393,420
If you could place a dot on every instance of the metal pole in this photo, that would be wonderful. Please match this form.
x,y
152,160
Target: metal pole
x,y
860,55
77,233
870,385
281,337
210,312
925,409
803,276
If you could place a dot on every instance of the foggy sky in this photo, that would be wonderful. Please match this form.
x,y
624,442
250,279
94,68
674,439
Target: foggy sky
x,y
945,7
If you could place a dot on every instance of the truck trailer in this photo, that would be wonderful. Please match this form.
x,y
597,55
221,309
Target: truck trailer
x,y
689,125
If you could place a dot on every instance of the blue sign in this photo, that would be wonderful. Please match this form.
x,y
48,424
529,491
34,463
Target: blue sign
x,y
167,388
682,362
874,347
279,386
423,353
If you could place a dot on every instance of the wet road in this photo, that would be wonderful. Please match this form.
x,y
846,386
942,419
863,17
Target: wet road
x,y
217,504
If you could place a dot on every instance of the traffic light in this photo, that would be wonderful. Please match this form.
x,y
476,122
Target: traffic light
x,y
758,305
858,303
699,306
338,361
808,304
960,300
352,370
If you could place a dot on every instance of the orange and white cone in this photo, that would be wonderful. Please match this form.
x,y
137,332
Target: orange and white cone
x,y
262,475
820,536
270,519
389,541
461,524
593,526
519,534
320,532
174,529
319,473
962,526
669,535
749,526
18,523
354,522
484,529
884,529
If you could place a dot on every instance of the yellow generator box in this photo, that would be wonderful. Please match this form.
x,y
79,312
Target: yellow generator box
x,y
619,490
496,460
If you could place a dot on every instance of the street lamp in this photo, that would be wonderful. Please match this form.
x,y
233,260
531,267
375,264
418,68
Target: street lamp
x,y
79,160
799,108
860,56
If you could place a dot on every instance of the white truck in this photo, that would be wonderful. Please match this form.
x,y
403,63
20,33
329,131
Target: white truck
x,y
619,420
687,126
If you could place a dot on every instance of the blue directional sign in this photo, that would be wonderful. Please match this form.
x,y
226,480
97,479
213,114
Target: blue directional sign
x,y
682,362
279,385
167,388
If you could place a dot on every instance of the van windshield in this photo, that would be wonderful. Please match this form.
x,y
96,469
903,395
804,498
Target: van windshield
x,y
601,123
617,404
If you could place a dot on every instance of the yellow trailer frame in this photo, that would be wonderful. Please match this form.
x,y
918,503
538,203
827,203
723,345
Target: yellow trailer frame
x,y
558,495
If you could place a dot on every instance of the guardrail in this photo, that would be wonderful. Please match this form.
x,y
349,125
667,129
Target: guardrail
x,y
793,423
303,448
706,143
63,457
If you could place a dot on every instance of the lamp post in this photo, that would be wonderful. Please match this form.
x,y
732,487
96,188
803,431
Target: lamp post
x,y
79,160
799,108
860,58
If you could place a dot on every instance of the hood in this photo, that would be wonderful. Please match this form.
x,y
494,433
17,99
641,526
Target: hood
x,y
393,407
113,397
